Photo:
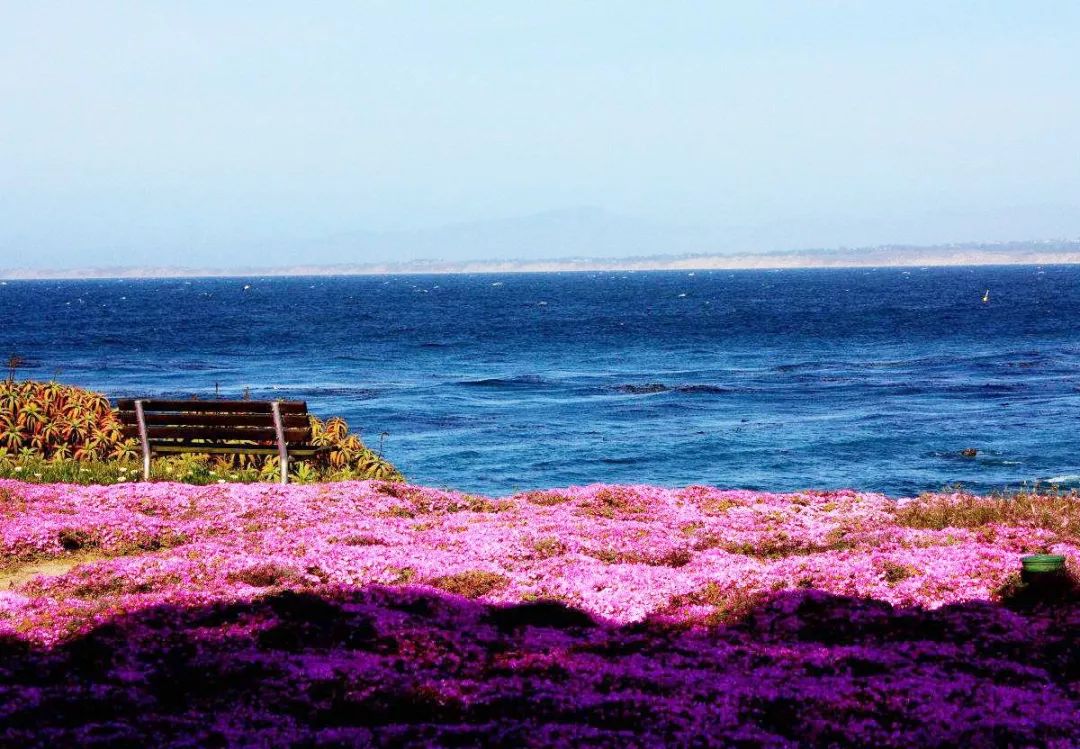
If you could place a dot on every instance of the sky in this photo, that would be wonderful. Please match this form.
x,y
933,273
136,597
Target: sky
x,y
231,133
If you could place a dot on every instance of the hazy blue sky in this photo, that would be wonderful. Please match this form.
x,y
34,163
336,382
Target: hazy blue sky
x,y
230,132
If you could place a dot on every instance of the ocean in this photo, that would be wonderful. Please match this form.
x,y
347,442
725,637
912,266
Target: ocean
x,y
875,379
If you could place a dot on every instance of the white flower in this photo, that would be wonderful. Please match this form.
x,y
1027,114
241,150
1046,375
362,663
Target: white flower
x,y
123,470
18,469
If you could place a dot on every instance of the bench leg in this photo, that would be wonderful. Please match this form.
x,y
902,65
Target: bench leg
x,y
144,441
283,450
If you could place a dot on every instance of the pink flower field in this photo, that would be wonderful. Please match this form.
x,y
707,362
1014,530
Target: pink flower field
x,y
367,613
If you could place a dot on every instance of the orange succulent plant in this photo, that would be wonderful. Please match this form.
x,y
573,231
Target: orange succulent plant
x,y
54,420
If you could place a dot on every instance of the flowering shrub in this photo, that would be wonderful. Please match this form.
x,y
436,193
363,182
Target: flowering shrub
x,y
365,613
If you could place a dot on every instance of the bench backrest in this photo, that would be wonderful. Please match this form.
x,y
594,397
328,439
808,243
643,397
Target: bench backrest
x,y
181,421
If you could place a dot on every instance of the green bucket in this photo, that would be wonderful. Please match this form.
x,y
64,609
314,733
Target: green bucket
x,y
1043,563
1044,571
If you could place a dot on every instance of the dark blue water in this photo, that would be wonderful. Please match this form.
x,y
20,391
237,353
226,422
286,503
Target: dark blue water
x,y
874,379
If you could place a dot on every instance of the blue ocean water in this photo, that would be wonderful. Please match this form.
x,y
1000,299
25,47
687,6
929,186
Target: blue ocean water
x,y
779,380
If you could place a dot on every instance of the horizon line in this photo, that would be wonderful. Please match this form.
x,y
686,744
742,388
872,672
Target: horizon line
x,y
966,254
287,272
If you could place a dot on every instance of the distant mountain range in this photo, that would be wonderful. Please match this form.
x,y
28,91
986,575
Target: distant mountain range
x,y
581,238
1042,252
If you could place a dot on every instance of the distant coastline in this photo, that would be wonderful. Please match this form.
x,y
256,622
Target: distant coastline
x,y
1050,252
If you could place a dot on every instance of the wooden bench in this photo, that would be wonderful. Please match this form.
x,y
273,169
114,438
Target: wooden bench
x,y
279,428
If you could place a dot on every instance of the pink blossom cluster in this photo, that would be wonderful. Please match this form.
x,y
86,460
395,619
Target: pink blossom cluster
x,y
366,613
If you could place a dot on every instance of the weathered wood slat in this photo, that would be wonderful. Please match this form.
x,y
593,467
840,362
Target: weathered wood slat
x,y
255,434
296,421
302,451
211,406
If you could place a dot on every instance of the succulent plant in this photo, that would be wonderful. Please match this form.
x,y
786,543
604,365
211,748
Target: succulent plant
x,y
56,421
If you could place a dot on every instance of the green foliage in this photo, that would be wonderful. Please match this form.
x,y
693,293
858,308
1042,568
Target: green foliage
x,y
1056,512
471,583
545,498
185,468
35,469
305,474
730,602
894,572
548,547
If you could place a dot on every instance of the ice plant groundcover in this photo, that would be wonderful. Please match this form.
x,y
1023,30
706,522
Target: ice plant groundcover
x,y
384,614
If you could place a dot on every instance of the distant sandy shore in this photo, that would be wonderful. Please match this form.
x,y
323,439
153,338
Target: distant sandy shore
x,y
870,258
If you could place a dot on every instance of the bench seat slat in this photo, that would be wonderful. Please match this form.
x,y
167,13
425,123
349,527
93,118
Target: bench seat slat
x,y
300,451
211,406
298,421
254,434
